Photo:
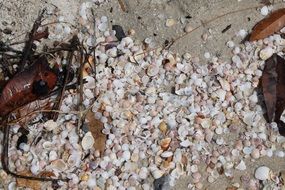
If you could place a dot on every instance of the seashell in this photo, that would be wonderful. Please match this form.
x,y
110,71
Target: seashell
x,y
247,150
194,168
211,179
143,173
221,94
241,166
255,153
185,143
12,186
47,145
266,53
90,82
166,154
280,154
248,117
84,177
206,123
225,84
188,28
52,155
59,164
165,143
170,22
50,125
126,155
74,159
156,173
152,70
262,173
87,141
163,127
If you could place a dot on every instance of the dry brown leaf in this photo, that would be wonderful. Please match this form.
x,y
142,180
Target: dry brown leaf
x,y
273,87
32,184
269,25
96,127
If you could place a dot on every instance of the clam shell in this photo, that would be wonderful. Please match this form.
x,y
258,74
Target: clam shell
x,y
59,164
157,173
50,125
87,141
165,143
262,173
166,154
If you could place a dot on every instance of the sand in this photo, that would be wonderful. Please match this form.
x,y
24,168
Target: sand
x,y
147,18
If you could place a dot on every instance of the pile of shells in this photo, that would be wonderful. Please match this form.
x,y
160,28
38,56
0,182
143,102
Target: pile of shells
x,y
164,115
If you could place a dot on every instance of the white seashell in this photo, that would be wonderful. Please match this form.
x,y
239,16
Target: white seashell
x,y
91,183
185,143
206,123
74,159
219,130
47,145
59,165
225,84
262,173
12,186
247,150
220,141
126,155
248,118
230,44
264,10
170,22
87,141
166,154
265,53
52,155
221,94
90,82
103,26
241,166
156,173
145,186
143,173
194,168
152,70
280,154
50,125
236,60
35,167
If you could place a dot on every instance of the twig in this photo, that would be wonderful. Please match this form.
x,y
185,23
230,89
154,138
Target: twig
x,y
28,46
73,44
80,104
122,5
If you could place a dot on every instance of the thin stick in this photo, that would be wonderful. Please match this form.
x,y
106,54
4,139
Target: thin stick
x,y
74,44
28,46
122,5
80,105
